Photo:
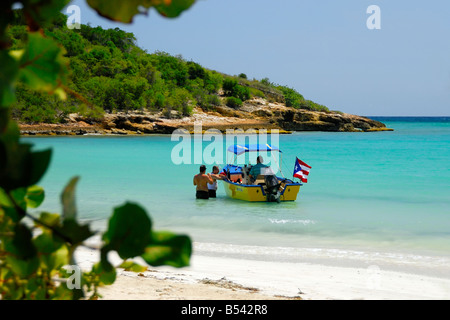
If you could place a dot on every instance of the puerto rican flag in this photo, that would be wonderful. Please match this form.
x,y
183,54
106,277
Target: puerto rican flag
x,y
301,170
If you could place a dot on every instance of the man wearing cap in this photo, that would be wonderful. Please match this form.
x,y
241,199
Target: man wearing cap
x,y
256,169
201,180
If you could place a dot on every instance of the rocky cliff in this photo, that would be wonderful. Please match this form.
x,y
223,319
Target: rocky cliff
x,y
255,114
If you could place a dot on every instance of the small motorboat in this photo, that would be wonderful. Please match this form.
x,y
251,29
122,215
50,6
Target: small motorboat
x,y
266,187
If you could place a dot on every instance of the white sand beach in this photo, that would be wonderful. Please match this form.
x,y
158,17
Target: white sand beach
x,y
223,278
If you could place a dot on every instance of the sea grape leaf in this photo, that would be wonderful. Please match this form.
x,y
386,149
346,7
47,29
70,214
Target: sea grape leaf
x,y
22,255
174,8
129,265
19,166
21,245
10,162
68,199
46,243
34,197
56,259
7,208
74,232
53,253
23,268
10,132
128,230
4,200
19,197
49,219
7,79
166,248
106,276
42,64
125,10
14,159
63,293
35,290
39,162
41,13
4,117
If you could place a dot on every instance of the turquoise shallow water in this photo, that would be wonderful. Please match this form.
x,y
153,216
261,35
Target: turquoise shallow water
x,y
367,192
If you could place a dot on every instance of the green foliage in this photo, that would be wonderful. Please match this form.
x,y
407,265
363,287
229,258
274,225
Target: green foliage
x,y
36,249
266,81
38,107
232,88
233,102
179,99
296,100
292,97
112,74
196,71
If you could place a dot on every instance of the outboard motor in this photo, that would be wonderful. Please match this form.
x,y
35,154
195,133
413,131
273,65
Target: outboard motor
x,y
273,188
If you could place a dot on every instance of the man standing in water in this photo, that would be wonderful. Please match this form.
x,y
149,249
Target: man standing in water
x,y
201,180
212,187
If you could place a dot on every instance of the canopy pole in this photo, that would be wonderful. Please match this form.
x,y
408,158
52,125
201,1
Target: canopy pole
x,y
281,171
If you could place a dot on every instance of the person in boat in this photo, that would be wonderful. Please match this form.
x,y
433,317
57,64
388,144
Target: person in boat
x,y
256,169
212,187
201,180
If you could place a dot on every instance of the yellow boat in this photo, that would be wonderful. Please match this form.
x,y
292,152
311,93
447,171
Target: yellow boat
x,y
266,187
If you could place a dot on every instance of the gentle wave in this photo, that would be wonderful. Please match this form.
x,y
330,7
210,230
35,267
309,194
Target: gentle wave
x,y
290,221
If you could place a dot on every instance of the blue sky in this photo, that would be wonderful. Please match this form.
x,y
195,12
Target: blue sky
x,y
323,48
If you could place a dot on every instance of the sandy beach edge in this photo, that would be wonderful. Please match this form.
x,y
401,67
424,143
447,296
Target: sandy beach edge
x,y
224,278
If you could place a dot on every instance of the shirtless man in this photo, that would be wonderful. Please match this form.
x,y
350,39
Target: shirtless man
x,y
201,180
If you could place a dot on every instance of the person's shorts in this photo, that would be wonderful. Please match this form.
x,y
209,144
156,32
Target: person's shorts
x,y
212,193
202,194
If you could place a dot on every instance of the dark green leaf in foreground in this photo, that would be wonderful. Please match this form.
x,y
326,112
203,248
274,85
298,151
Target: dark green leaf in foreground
x,y
106,276
125,10
22,255
4,118
8,208
49,219
19,166
53,252
35,196
39,162
41,12
7,79
20,245
128,265
128,231
74,232
167,248
15,167
173,8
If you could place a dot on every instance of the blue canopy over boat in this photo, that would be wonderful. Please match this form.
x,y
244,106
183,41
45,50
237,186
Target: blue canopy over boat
x,y
239,149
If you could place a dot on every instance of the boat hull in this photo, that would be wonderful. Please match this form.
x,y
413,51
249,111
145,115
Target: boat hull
x,y
255,193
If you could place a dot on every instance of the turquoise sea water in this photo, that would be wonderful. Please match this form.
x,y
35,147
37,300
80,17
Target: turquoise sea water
x,y
367,194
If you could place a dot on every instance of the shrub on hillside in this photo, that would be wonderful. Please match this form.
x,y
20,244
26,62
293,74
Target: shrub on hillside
x,y
233,102
232,88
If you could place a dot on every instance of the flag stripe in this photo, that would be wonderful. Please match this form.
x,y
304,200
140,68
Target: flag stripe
x,y
303,164
301,170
